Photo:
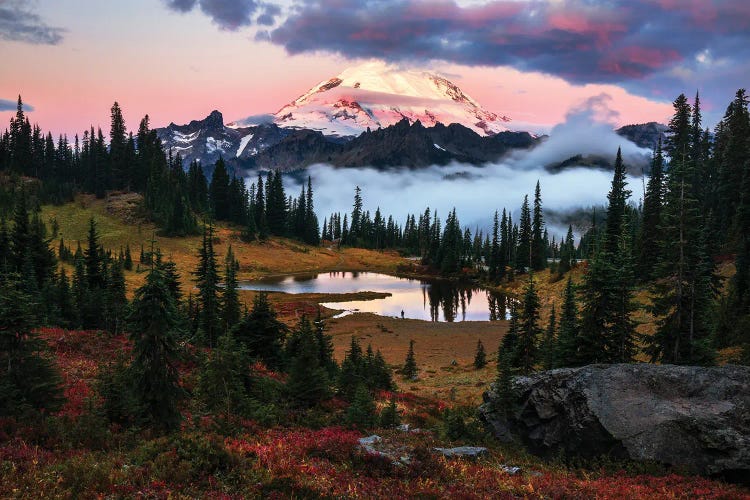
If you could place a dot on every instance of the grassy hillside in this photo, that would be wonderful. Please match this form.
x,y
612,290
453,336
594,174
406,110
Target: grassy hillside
x,y
119,224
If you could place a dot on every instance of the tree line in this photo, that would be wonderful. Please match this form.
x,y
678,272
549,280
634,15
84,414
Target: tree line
x,y
174,197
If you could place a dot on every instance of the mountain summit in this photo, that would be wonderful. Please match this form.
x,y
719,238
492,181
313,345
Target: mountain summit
x,y
376,95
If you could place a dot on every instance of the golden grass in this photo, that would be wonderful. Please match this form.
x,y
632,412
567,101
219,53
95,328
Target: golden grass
x,y
444,351
119,225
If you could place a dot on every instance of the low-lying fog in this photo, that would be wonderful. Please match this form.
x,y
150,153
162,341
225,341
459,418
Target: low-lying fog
x,y
477,191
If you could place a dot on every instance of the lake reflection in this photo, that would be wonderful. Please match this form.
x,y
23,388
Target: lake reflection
x,y
438,300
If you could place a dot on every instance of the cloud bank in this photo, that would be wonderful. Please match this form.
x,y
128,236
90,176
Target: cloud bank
x,y
19,24
11,105
230,15
582,41
477,191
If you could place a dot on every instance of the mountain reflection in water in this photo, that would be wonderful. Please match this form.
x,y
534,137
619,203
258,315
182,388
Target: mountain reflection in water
x,y
430,300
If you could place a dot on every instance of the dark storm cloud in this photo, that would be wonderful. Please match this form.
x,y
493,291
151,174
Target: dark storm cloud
x,y
230,15
269,15
181,5
583,41
19,24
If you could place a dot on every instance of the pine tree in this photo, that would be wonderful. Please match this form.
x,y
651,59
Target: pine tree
x,y
607,330
29,379
525,234
410,370
311,227
355,228
308,382
118,148
128,263
617,197
389,417
687,284
493,260
351,373
262,333
361,412
566,347
652,211
207,282
528,331
115,298
152,323
480,357
230,301
538,246
218,191
325,346
504,401
276,205
224,380
549,343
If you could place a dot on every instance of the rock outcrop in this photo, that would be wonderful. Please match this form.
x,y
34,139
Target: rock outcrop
x,y
695,418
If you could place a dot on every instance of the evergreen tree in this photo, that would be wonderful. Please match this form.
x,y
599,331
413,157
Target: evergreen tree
x,y
276,205
607,330
325,346
480,357
525,234
118,148
361,412
224,380
115,298
207,282
538,246
262,333
566,347
504,401
311,228
218,191
355,228
549,343
29,379
410,370
351,373
650,236
687,284
389,417
528,331
567,252
617,197
230,301
308,382
152,323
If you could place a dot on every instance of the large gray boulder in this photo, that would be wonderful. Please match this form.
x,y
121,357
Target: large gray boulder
x,y
692,417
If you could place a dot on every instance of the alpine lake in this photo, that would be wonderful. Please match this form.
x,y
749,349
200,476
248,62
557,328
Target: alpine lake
x,y
421,299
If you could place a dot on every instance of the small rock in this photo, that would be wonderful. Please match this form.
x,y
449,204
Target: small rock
x,y
462,452
511,470
369,440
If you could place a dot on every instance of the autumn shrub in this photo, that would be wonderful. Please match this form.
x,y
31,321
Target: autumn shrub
x,y
461,424
90,430
85,474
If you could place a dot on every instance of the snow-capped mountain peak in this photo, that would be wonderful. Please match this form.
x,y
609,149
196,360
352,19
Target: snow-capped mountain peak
x,y
376,95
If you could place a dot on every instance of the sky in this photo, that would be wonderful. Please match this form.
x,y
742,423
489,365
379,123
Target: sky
x,y
532,60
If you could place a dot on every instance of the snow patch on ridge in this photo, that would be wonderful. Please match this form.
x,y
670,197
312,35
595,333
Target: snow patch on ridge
x,y
243,144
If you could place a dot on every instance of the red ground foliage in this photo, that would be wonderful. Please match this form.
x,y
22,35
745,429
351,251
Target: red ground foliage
x,y
256,462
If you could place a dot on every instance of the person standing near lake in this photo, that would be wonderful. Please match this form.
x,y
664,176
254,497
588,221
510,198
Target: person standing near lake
x,y
402,314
